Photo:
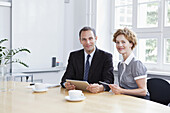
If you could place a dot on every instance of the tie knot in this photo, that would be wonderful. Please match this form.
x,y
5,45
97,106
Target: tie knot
x,y
88,56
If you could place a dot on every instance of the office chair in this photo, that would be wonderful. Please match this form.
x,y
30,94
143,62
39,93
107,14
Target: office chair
x,y
159,90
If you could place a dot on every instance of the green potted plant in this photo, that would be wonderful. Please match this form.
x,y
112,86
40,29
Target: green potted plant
x,y
7,54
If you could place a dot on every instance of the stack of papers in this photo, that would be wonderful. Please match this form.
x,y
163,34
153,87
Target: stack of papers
x,y
52,85
47,85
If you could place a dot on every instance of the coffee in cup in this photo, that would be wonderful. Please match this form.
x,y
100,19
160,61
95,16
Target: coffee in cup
x,y
40,86
75,94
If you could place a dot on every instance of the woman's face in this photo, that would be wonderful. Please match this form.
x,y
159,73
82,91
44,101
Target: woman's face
x,y
123,45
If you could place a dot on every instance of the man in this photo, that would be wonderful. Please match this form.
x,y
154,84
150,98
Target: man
x,y
89,64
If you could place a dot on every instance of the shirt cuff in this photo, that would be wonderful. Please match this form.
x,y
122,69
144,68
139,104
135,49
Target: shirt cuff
x,y
139,77
64,84
104,88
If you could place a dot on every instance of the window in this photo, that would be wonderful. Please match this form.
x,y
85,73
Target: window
x,y
123,12
122,19
147,50
150,20
147,13
167,13
167,51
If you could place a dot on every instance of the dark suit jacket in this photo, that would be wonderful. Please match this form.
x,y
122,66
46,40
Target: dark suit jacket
x,y
101,68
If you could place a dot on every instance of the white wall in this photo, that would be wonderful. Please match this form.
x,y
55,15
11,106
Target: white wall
x,y
104,24
5,24
79,20
39,26
68,29
75,19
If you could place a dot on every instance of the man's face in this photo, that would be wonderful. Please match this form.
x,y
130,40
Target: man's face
x,y
88,40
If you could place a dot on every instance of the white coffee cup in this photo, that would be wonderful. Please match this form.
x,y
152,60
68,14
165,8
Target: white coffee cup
x,y
40,86
75,94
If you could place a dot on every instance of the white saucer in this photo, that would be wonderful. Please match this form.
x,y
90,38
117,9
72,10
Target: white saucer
x,y
39,91
77,99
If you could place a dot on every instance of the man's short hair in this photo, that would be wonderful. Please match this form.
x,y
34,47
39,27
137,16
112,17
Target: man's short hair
x,y
86,29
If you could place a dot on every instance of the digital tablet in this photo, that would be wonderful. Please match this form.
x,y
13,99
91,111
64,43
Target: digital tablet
x,y
79,84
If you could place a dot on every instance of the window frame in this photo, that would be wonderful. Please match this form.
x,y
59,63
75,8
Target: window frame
x,y
164,13
157,36
165,36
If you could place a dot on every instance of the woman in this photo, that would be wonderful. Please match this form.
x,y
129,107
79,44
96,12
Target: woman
x,y
131,72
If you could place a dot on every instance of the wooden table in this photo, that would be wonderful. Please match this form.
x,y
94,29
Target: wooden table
x,y
23,100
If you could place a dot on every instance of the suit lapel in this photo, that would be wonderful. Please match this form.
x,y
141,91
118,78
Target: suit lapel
x,y
81,63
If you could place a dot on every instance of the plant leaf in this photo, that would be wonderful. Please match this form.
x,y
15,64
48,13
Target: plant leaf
x,y
7,54
3,40
17,61
3,47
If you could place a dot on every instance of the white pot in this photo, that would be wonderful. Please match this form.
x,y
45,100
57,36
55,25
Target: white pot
x,y
3,82
6,81
3,70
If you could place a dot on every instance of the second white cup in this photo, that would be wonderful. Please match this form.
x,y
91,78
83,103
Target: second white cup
x,y
74,94
40,86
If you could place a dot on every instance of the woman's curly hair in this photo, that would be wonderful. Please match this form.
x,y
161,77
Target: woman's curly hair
x,y
129,35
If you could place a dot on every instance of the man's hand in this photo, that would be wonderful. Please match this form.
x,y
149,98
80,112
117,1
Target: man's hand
x,y
95,88
69,86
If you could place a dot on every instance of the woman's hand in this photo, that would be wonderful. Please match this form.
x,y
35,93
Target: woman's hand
x,y
115,89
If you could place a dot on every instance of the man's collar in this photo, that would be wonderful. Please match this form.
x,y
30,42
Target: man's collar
x,y
91,54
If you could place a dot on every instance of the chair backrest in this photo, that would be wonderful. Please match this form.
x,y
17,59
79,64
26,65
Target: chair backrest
x,y
159,90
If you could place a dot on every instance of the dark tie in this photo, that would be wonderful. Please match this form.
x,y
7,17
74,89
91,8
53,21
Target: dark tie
x,y
87,66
